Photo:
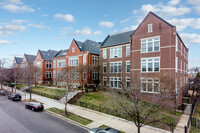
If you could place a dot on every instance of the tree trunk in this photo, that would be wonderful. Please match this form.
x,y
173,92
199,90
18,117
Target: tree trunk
x,y
138,129
30,93
1,85
66,108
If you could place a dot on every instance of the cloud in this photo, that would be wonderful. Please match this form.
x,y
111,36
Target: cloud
x,y
169,9
5,42
44,15
38,26
84,31
106,24
190,38
196,5
66,17
19,21
13,8
64,30
174,2
133,27
97,33
124,21
182,24
12,27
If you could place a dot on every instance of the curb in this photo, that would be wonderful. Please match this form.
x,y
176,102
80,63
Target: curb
x,y
66,119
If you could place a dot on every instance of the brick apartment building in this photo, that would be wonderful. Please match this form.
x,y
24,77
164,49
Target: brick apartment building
x,y
59,63
27,60
80,54
155,47
43,62
17,62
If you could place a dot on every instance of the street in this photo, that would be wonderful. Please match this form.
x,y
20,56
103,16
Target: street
x,y
14,118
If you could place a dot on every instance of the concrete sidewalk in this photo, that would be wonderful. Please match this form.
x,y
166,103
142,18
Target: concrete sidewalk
x,y
98,118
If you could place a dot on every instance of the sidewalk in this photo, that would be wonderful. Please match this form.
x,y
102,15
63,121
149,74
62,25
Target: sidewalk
x,y
98,118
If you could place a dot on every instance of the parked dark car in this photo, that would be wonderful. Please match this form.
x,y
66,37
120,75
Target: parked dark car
x,y
103,130
15,97
34,106
3,92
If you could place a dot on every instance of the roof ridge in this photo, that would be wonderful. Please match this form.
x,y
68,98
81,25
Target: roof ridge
x,y
122,32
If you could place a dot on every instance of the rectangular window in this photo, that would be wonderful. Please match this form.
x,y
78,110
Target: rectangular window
x,y
176,69
176,43
38,64
48,64
150,65
127,83
73,61
104,81
61,63
150,85
48,74
73,49
95,75
128,66
115,67
54,74
104,53
115,82
54,64
127,50
104,67
150,28
116,52
84,75
95,60
150,45
84,59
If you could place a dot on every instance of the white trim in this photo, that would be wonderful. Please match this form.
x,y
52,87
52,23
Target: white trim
x,y
149,38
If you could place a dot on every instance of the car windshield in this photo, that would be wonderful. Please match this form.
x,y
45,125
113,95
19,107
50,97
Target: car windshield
x,y
36,104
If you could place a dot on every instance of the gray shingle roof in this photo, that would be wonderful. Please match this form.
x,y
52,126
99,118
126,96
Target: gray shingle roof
x,y
61,53
117,39
18,60
88,45
48,55
30,58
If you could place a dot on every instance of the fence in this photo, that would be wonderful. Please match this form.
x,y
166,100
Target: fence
x,y
195,123
191,113
117,113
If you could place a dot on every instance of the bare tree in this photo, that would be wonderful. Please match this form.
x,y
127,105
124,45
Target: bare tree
x,y
132,100
71,77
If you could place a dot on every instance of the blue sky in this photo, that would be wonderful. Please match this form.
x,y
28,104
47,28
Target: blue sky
x,y
29,25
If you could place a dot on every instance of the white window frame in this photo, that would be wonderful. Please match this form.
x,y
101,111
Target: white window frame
x,y
116,52
150,28
54,63
48,64
128,80
104,53
105,80
104,67
38,64
95,60
47,74
128,62
116,64
73,61
73,49
152,82
146,61
176,64
145,42
117,80
61,63
95,75
176,43
128,50
84,59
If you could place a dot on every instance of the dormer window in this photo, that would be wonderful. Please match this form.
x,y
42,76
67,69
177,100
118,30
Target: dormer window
x,y
150,28
73,49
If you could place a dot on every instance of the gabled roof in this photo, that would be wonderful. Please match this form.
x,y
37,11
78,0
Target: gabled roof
x,y
117,39
30,58
88,45
61,53
18,60
157,17
48,55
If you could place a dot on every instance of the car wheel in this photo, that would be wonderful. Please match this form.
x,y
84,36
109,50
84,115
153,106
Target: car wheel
x,y
26,106
33,109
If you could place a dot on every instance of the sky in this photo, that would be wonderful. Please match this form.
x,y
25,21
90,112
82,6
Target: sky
x,y
29,25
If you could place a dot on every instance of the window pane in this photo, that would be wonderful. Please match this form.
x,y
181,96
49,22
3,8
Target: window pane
x,y
156,87
143,47
156,66
119,51
150,67
143,86
156,46
143,67
150,47
149,86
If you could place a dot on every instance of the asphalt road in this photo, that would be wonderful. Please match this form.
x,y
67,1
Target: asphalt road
x,y
14,118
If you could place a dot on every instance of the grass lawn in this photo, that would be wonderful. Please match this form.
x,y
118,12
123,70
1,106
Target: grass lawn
x,y
71,116
19,86
48,92
104,100
197,111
